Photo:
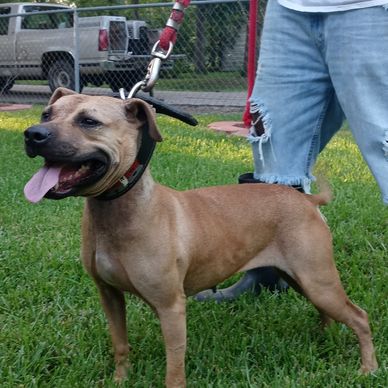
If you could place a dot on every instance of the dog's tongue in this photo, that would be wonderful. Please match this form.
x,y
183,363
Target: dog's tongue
x,y
45,179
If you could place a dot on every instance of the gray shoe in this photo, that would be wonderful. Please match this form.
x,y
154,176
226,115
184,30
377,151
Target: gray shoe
x,y
251,283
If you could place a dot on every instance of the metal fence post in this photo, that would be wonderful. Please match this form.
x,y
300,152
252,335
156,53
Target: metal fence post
x,y
76,52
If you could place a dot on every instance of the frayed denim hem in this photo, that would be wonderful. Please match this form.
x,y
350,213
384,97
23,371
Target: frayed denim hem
x,y
304,182
257,144
253,138
259,107
385,145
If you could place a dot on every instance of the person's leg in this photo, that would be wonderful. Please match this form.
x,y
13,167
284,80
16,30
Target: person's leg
x,y
297,114
357,61
292,96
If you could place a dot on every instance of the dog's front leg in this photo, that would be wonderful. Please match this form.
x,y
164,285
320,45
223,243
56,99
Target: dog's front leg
x,y
173,323
113,303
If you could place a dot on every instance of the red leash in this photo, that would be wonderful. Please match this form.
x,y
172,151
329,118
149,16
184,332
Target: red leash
x,y
251,71
161,50
169,32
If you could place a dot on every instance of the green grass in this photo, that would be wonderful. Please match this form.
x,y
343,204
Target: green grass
x,y
52,329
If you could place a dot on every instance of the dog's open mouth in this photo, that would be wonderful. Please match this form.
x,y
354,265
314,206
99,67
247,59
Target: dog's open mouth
x,y
56,180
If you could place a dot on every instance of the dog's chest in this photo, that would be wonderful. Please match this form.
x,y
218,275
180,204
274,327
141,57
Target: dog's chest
x,y
110,270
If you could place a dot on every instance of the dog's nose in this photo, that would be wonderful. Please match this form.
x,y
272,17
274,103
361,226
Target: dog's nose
x,y
36,135
36,139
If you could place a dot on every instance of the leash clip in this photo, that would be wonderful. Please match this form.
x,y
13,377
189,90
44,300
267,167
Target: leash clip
x,y
158,52
135,88
153,70
152,74
154,66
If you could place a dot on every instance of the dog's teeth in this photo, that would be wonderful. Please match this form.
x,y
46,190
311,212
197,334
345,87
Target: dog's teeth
x,y
82,169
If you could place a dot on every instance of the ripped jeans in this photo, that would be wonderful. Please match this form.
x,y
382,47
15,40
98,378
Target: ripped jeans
x,y
315,70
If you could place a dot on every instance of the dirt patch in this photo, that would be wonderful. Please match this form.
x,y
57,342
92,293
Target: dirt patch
x,y
230,127
13,107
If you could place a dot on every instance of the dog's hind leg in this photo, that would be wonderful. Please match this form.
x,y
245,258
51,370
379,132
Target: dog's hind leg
x,y
173,323
113,303
309,260
325,291
325,319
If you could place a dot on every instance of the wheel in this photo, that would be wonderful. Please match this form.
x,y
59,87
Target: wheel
x,y
61,74
126,80
6,84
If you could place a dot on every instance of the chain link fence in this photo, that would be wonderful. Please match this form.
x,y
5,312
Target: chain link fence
x,y
99,50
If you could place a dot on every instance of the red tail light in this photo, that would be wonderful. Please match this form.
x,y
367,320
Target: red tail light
x,y
103,40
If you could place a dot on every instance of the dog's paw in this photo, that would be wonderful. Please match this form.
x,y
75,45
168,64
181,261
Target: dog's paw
x,y
121,372
369,369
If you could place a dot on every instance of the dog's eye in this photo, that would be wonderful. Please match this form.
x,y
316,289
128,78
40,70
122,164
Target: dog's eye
x,y
87,122
45,116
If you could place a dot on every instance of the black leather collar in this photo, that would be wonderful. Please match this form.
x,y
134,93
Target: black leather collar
x,y
147,146
135,172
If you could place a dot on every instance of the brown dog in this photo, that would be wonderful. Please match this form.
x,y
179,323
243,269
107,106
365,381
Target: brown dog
x,y
164,245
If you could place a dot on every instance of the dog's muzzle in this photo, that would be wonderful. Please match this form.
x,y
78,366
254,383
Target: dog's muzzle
x,y
65,172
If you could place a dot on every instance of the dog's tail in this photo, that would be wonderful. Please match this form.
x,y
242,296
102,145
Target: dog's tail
x,y
325,194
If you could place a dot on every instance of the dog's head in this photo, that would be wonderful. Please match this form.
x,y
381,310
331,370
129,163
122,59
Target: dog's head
x,y
87,142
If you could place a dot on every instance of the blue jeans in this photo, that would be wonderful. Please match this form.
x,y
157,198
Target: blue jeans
x,y
314,70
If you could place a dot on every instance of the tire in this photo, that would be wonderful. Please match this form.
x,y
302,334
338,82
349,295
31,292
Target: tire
x,y
6,84
61,74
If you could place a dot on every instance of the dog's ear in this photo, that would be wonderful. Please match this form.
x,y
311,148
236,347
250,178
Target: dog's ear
x,y
135,107
60,92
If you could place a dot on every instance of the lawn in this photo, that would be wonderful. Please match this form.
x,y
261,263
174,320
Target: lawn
x,y
52,329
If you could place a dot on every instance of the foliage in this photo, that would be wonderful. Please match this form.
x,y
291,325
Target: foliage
x,y
209,23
